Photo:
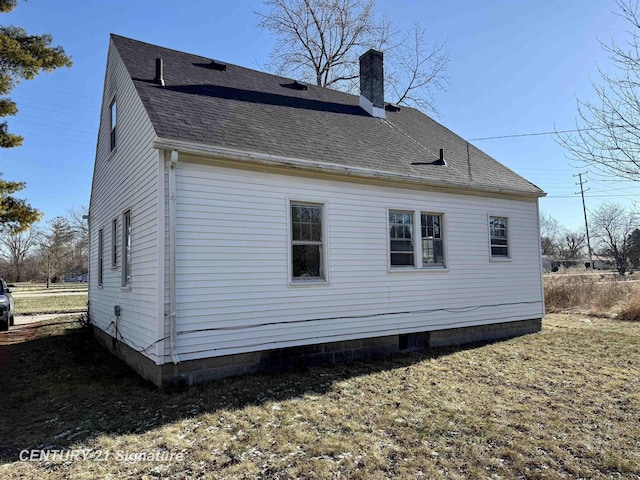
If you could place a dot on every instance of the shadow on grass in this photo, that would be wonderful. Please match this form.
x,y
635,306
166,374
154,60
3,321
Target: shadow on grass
x,y
60,388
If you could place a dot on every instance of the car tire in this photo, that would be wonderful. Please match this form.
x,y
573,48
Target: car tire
x,y
11,320
4,325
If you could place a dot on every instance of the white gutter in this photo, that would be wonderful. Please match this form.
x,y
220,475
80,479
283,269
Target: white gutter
x,y
173,308
276,160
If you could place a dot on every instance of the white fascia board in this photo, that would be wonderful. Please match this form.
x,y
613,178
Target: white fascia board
x,y
324,167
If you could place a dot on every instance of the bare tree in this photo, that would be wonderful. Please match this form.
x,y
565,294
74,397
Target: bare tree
x,y
15,247
550,231
612,226
76,220
571,247
608,129
416,70
320,41
55,248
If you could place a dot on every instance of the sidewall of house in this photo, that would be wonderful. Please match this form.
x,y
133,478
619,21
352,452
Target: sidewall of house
x,y
235,294
127,179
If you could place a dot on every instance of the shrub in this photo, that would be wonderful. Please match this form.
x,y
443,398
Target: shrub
x,y
631,309
589,294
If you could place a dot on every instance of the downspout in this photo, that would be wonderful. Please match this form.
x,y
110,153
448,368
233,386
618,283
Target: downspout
x,y
173,308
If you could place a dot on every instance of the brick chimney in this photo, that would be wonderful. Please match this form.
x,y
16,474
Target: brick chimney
x,y
372,83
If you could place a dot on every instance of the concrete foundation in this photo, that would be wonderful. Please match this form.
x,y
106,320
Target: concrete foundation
x,y
197,371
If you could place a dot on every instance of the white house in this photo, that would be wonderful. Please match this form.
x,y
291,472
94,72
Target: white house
x,y
241,220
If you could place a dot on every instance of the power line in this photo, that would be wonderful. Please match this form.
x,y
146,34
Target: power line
x,y
63,92
27,134
554,132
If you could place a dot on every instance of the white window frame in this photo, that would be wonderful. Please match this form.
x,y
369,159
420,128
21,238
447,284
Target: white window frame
x,y
101,257
418,266
114,243
113,122
412,213
324,255
499,258
127,233
442,240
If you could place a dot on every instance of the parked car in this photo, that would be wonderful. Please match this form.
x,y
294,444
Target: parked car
x,y
6,306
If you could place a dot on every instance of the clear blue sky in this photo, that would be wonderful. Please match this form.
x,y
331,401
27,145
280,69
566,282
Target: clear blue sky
x,y
516,67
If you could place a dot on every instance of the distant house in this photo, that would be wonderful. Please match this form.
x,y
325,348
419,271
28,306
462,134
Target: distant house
x,y
74,277
241,220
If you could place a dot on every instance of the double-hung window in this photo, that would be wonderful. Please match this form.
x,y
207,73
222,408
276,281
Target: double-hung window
x,y
100,257
432,248
114,243
113,120
498,228
401,238
416,245
126,248
307,252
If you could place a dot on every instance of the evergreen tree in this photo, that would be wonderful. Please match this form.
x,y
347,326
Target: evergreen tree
x,y
22,57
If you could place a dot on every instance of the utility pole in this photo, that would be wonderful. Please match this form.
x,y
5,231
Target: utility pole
x,y
584,210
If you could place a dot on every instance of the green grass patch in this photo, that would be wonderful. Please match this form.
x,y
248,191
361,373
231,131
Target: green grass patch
x,y
558,404
50,304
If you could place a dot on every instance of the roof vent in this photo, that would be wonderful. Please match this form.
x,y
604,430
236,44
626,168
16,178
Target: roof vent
x,y
217,66
392,107
440,161
295,85
159,72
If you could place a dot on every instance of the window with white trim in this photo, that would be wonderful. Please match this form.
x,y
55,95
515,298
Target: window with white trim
x,y
100,257
114,243
307,252
498,229
432,240
126,248
401,248
112,122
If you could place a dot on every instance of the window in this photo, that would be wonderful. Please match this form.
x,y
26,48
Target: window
x,y
499,237
100,257
306,242
126,248
114,243
432,248
401,238
113,118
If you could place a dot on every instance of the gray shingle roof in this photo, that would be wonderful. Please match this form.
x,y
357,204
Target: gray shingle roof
x,y
252,111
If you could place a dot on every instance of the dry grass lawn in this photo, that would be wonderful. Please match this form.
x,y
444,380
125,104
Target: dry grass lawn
x,y
50,304
564,403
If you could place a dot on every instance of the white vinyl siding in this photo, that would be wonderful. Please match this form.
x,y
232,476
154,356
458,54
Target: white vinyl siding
x,y
233,274
124,178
